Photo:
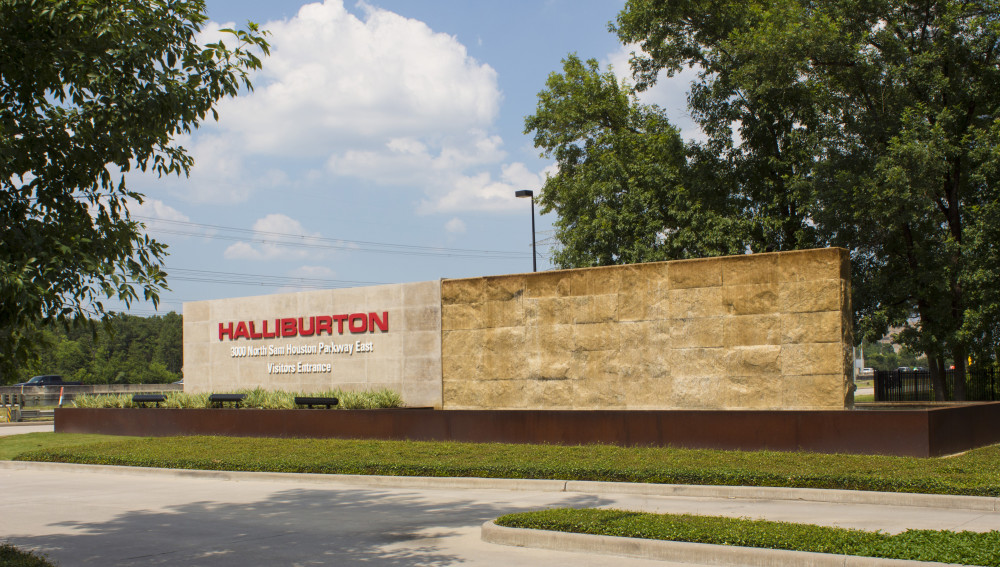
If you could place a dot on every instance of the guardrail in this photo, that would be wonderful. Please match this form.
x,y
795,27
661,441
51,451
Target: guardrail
x,y
37,414
15,413
29,396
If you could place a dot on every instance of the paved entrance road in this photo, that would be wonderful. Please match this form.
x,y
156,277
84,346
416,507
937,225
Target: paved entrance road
x,y
88,516
111,519
26,427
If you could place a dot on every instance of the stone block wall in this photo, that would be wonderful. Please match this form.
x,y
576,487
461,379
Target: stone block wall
x,y
761,331
405,358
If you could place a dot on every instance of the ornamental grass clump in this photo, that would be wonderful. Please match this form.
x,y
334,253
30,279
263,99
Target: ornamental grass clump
x,y
181,400
99,401
374,399
89,401
257,398
268,399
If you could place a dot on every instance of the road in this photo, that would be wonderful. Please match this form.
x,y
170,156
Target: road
x,y
26,427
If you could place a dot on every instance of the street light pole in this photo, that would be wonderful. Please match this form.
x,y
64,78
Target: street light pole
x,y
534,254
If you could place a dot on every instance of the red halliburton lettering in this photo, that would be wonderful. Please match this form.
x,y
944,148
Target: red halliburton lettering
x,y
356,323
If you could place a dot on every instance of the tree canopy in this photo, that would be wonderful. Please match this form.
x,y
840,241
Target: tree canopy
x,y
88,92
622,193
128,350
867,124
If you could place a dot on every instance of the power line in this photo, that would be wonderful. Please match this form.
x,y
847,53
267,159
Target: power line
x,y
210,276
319,242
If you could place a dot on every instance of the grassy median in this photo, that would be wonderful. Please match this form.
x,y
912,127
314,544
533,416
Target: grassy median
x,y
966,548
976,472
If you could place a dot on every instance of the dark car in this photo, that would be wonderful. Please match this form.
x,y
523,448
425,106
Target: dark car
x,y
48,380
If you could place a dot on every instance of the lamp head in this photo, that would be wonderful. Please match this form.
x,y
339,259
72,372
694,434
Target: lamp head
x,y
524,193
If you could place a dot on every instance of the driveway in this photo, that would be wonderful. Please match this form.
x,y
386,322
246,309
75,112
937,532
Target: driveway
x,y
82,515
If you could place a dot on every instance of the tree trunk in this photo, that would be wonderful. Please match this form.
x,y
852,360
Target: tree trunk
x,y
959,355
936,365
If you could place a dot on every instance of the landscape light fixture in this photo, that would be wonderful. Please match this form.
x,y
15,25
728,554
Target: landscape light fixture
x,y
534,254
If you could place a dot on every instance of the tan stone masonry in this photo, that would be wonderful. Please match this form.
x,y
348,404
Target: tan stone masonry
x,y
762,331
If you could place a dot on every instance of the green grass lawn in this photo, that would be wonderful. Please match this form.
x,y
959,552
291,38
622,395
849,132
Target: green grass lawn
x,y
13,445
976,472
966,548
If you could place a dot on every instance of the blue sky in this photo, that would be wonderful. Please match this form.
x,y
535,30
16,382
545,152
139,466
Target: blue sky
x,y
383,143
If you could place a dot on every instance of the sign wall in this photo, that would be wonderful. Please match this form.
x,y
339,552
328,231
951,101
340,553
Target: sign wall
x,y
357,339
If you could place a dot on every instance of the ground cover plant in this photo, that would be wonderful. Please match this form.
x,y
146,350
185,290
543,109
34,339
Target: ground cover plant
x,y
13,445
966,548
256,398
11,556
976,472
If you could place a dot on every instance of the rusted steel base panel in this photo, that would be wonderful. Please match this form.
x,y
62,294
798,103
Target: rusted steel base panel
x,y
920,432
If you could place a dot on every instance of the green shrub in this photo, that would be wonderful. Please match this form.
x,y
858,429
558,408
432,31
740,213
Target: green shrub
x,y
973,473
11,556
966,548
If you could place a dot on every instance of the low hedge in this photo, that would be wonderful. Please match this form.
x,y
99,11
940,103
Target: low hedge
x,y
257,398
966,548
974,473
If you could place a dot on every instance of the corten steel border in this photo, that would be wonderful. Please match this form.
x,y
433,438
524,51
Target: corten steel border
x,y
922,432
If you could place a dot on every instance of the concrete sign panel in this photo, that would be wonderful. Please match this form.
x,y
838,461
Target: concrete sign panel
x,y
356,339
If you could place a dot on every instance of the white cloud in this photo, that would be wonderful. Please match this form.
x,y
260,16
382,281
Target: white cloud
x,y
372,95
334,79
312,272
155,215
220,170
242,251
157,210
269,233
455,226
409,160
482,192
669,93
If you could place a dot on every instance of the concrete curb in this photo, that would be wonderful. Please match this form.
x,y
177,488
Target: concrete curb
x,y
373,481
975,503
680,551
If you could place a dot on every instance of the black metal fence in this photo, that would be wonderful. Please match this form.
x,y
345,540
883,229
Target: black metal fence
x,y
981,384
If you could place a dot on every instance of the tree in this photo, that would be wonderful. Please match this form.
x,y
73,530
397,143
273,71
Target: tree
x,y
138,350
867,124
882,356
88,92
620,192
